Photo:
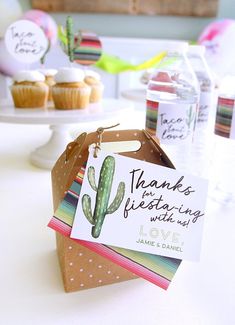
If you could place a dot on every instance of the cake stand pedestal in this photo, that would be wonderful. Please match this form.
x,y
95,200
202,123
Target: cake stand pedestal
x,y
59,121
46,155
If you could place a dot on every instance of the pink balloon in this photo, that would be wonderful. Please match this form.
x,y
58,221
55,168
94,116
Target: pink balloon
x,y
218,38
45,21
8,65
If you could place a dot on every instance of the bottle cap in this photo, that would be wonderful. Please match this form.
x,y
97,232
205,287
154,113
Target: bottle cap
x,y
227,85
176,46
196,49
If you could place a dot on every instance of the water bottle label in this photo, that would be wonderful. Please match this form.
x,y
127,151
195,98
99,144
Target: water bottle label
x,y
225,118
172,123
204,107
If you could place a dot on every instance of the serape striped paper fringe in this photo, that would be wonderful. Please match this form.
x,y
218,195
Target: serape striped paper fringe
x,y
157,269
224,116
89,49
151,116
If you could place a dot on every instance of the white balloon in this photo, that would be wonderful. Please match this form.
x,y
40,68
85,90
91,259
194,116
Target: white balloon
x,y
11,11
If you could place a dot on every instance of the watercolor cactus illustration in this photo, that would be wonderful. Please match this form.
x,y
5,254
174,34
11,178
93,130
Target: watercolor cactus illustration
x,y
190,117
102,207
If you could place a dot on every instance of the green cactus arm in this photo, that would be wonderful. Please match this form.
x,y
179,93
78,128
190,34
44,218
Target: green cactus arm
x,y
86,207
70,38
103,194
118,198
190,117
91,178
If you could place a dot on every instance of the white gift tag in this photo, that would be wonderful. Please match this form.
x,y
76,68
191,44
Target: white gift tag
x,y
26,41
137,205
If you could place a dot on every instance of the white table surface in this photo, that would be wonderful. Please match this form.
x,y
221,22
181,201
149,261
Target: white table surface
x,y
31,285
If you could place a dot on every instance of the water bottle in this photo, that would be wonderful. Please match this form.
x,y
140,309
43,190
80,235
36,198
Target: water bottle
x,y
222,171
202,140
171,105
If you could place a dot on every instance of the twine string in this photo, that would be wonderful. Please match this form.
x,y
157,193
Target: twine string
x,y
100,132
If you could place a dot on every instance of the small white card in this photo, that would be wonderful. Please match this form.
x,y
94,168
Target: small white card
x,y
26,41
137,205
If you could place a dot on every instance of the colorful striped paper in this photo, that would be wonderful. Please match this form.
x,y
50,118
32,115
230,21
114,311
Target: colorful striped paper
x,y
89,48
224,117
159,270
151,116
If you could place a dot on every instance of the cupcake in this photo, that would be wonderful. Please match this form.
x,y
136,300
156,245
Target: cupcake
x,y
29,89
49,79
70,92
92,79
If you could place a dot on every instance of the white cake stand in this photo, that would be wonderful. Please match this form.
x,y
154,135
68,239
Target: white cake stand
x,y
135,94
59,121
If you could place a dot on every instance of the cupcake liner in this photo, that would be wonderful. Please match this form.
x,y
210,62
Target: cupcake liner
x,y
70,98
50,83
29,96
50,95
96,93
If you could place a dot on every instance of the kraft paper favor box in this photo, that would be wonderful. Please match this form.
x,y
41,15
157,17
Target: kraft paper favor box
x,y
83,268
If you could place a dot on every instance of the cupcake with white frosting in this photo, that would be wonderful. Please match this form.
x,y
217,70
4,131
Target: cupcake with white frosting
x,y
70,91
49,75
29,89
92,79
